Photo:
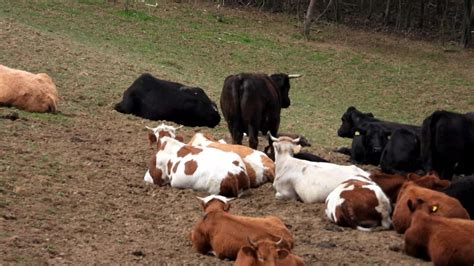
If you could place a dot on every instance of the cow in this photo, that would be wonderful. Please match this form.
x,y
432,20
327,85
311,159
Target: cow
x,y
463,190
198,168
252,102
306,181
444,241
359,203
224,234
370,135
266,252
447,144
260,168
412,197
156,99
402,153
154,133
302,155
27,91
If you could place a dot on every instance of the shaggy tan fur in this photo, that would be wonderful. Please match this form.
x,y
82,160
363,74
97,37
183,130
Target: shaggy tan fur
x,y
27,91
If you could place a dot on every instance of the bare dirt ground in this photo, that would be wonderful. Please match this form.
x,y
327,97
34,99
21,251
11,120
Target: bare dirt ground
x,y
71,184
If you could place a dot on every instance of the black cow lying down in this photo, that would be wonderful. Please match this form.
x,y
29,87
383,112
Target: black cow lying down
x,y
156,99
371,136
447,143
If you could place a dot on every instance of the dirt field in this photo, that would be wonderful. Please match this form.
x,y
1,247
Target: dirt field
x,y
71,184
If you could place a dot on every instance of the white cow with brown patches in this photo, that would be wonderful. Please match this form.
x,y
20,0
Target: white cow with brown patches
x,y
197,168
304,180
359,203
154,133
27,91
260,168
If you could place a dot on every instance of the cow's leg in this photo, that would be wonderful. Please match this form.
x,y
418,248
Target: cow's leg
x,y
236,132
253,137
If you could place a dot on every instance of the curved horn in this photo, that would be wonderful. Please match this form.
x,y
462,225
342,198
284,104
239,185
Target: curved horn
x,y
279,243
179,127
252,244
294,76
272,137
201,199
150,128
296,141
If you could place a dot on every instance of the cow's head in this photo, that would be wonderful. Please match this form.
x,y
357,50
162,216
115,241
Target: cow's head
x,y
155,133
375,137
350,119
215,202
204,110
282,81
285,145
265,252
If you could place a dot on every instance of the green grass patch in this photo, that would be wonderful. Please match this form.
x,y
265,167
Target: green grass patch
x,y
133,14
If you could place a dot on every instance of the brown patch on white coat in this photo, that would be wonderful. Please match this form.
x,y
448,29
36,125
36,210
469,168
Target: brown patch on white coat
x,y
224,233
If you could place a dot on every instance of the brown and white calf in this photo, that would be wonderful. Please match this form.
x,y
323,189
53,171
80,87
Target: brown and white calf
x,y
266,253
307,181
27,91
197,168
412,197
260,168
445,241
154,133
359,203
224,234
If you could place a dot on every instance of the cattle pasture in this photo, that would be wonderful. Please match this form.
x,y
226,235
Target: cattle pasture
x,y
71,184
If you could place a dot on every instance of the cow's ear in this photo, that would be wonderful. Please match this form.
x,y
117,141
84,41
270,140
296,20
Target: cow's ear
x,y
179,138
283,253
296,149
151,139
370,115
441,184
227,207
249,251
413,176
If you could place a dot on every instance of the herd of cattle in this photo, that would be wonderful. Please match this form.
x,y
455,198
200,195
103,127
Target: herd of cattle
x,y
425,189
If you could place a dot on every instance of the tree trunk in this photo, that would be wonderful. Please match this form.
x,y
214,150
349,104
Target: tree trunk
x,y
309,18
422,13
466,39
387,12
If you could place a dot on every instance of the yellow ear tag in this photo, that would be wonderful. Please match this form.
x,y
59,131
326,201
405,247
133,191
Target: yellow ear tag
x,y
434,208
357,133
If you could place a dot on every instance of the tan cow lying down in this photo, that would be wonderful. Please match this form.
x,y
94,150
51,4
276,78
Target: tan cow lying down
x,y
27,91
266,252
414,197
260,168
224,234
446,241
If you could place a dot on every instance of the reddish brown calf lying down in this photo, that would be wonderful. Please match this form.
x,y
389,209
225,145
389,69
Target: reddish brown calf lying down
x,y
266,252
446,241
433,202
27,91
224,234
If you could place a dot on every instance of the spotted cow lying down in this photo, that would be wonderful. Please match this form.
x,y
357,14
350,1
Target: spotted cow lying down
x,y
27,91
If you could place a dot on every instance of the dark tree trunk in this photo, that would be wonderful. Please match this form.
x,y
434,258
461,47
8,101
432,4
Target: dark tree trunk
x,y
466,39
387,13
422,13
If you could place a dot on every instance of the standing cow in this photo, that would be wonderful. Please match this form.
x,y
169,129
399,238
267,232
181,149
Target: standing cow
x,y
252,102
156,99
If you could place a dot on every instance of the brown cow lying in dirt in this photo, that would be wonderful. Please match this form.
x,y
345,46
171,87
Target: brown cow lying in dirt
x,y
224,234
435,203
27,91
446,241
266,252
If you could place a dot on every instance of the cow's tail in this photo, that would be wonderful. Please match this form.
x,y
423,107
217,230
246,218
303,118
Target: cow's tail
x,y
428,137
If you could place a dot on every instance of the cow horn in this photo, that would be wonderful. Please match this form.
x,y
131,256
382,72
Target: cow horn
x,y
272,137
252,244
296,141
294,76
201,199
279,242
150,128
179,127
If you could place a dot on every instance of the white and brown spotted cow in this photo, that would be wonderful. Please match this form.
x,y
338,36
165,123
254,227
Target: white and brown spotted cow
x,y
154,133
359,203
27,91
260,168
198,168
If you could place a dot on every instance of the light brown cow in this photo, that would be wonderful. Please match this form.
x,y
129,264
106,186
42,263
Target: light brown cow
x,y
27,91
224,234
446,241
436,203
260,168
266,253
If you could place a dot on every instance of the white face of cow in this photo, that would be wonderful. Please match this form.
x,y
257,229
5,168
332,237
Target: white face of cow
x,y
164,128
286,145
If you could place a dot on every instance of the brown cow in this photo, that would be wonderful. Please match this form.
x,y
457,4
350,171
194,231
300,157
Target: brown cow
x,y
266,252
436,203
446,241
27,91
224,234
